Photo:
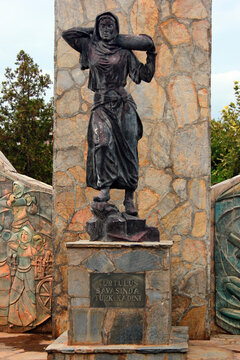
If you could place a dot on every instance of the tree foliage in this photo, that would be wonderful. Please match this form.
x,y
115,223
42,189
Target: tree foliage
x,y
225,141
26,119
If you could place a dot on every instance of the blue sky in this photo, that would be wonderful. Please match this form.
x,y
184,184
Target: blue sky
x,y
225,52
29,25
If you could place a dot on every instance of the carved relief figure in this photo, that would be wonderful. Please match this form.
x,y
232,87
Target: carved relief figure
x,y
5,279
20,205
227,260
22,309
114,127
25,257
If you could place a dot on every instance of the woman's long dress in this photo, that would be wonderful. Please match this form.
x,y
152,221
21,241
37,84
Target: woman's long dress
x,y
5,282
22,309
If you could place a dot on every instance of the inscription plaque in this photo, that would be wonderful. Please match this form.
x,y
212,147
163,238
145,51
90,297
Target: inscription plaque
x,y
117,290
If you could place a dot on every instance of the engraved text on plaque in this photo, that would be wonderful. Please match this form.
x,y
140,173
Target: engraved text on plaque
x,y
117,290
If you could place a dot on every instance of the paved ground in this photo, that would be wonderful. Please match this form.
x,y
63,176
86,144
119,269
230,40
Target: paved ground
x,y
23,346
32,347
221,347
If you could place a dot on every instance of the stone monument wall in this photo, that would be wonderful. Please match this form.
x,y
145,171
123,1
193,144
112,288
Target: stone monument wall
x,y
224,201
25,251
173,191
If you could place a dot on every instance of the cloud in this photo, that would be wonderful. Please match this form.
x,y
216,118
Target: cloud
x,y
222,90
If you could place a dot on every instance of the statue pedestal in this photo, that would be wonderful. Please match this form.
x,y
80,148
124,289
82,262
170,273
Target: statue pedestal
x,y
109,224
119,303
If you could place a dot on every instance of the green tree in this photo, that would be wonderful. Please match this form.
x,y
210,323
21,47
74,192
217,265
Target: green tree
x,y
26,119
225,141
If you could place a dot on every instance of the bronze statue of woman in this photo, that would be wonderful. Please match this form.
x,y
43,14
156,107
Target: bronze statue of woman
x,y
114,127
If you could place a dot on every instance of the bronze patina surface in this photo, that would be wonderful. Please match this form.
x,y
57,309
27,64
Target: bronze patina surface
x,y
115,126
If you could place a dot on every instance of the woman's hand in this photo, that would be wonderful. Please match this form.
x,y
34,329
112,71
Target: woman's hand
x,y
11,200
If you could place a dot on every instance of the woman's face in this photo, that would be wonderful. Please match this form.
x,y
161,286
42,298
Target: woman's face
x,y
24,237
107,29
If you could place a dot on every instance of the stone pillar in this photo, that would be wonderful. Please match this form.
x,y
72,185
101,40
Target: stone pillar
x,y
173,192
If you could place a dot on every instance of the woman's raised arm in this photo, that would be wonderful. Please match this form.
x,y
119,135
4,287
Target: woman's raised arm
x,y
142,72
77,37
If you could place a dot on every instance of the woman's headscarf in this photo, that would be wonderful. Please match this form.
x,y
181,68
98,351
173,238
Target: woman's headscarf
x,y
20,189
96,35
28,231
84,56
103,48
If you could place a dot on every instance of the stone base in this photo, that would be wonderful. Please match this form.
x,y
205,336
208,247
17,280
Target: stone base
x,y
109,224
136,310
175,350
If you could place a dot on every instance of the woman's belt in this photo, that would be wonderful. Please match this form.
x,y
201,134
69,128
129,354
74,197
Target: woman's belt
x,y
2,263
118,94
24,269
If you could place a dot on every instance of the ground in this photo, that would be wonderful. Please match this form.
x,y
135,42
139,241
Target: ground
x,y
32,347
23,346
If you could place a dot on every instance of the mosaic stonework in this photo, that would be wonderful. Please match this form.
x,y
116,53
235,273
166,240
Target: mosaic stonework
x,y
174,156
25,253
227,256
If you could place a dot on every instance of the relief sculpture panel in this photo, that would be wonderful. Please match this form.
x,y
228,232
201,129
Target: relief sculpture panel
x,y
227,260
25,255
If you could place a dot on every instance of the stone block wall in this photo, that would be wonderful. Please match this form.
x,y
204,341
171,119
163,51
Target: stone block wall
x,y
173,191
145,269
172,356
